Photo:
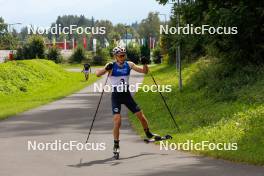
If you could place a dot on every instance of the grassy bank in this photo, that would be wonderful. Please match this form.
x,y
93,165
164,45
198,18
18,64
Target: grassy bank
x,y
219,104
30,83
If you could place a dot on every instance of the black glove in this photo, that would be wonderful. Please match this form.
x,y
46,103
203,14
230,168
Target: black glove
x,y
109,66
144,60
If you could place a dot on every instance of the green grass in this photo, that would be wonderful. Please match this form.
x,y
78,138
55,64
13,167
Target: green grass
x,y
30,83
219,103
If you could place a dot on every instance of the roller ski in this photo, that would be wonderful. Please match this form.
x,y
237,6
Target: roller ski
x,y
116,151
156,138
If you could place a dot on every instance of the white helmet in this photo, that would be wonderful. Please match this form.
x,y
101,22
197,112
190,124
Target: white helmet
x,y
118,50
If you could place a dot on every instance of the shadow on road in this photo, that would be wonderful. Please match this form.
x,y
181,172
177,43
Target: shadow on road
x,y
111,161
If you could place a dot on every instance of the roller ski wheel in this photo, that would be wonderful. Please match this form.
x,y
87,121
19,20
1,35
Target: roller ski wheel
x,y
156,138
116,152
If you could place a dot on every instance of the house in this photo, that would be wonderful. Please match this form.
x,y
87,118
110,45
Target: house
x,y
126,39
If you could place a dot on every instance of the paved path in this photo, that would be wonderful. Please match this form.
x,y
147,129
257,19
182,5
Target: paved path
x,y
69,119
79,69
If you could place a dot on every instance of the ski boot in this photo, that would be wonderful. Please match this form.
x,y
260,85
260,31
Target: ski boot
x,y
155,137
116,151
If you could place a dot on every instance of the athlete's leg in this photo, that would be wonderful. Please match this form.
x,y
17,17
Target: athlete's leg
x,y
133,107
116,109
117,125
86,74
144,122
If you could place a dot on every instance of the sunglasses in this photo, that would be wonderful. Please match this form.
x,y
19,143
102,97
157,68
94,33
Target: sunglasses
x,y
121,55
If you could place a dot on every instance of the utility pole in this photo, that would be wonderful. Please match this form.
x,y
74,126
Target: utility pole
x,y
178,49
165,17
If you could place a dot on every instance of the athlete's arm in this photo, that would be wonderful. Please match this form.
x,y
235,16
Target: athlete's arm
x,y
108,67
139,69
100,72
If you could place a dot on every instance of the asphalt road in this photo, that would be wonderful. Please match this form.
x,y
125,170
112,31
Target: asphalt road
x,y
69,119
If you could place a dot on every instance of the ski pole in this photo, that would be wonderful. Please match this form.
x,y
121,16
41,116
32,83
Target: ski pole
x,y
97,109
165,104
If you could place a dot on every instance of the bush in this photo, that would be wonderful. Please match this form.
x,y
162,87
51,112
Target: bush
x,y
102,55
20,53
223,81
157,55
166,59
245,47
144,50
78,55
133,53
110,49
54,55
34,48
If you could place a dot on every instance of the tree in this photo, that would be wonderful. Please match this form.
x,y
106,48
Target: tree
x,y
102,55
157,55
145,51
133,53
7,40
36,46
150,26
78,56
54,55
23,35
33,48
109,28
3,26
242,48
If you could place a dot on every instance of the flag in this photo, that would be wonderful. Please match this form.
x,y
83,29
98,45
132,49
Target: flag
x,y
54,41
91,42
73,43
94,45
84,43
142,41
65,44
106,42
151,42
